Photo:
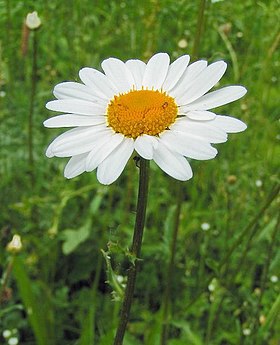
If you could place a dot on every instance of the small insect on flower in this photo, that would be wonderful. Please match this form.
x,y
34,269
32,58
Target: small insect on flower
x,y
158,109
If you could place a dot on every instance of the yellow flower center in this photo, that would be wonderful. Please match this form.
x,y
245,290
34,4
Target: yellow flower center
x,y
141,112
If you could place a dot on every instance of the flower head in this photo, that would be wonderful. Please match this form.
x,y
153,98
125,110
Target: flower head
x,y
158,109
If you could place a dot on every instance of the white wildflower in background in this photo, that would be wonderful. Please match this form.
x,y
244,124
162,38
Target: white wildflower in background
x,y
259,183
246,331
274,279
13,341
158,109
33,21
212,286
182,43
205,226
6,333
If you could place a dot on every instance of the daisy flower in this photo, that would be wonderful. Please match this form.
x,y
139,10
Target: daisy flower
x,y
158,109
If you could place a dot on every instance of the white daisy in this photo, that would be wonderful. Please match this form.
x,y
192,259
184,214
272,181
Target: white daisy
x,y
158,109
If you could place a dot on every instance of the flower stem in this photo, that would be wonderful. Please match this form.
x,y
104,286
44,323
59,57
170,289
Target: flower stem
x,y
31,107
199,27
5,280
8,44
169,277
135,249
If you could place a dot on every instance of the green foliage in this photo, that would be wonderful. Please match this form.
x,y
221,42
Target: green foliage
x,y
66,284
73,238
34,303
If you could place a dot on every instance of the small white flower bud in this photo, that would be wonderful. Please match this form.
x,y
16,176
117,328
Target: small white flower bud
x,y
274,279
246,331
15,245
183,43
6,333
33,21
205,226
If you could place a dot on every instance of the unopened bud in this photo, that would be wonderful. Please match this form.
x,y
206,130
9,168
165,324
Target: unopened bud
x,y
183,43
33,21
231,179
15,245
262,319
225,28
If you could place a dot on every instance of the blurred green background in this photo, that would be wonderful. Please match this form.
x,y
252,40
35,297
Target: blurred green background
x,y
60,288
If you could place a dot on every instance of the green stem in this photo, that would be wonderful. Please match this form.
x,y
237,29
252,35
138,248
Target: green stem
x,y
9,49
88,331
199,27
31,107
169,277
232,54
135,250
213,318
5,280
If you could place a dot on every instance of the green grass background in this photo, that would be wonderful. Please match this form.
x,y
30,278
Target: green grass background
x,y
61,290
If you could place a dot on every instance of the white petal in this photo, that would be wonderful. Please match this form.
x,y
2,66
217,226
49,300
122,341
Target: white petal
x,y
229,124
202,115
102,150
78,140
188,146
172,163
203,130
192,71
99,82
111,168
216,98
75,166
76,90
175,71
137,69
76,106
49,152
70,120
156,71
203,82
118,73
145,145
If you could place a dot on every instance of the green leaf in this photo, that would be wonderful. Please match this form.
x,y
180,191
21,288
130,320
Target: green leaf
x,y
73,238
193,339
33,302
272,316
112,278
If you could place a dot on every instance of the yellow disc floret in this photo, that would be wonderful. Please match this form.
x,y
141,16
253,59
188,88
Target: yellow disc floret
x,y
141,112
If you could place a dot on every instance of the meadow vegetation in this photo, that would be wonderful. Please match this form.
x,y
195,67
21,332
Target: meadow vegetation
x,y
66,284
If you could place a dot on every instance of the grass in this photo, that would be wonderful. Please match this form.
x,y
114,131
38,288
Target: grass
x,y
61,290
